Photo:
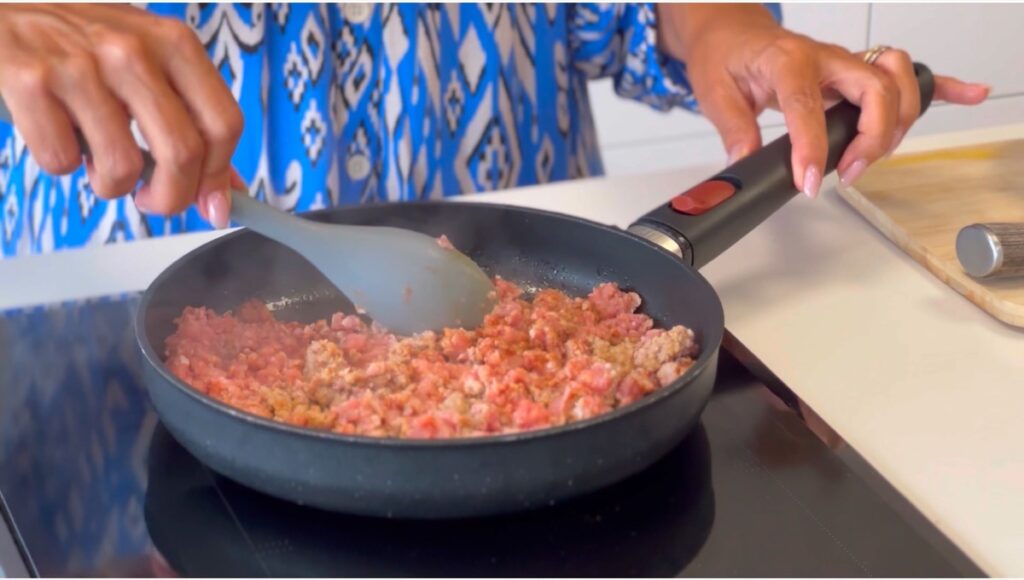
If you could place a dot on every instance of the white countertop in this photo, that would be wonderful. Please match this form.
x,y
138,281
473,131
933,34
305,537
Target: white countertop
x,y
928,388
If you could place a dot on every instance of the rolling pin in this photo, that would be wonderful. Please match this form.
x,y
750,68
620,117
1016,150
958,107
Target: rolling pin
x,y
992,250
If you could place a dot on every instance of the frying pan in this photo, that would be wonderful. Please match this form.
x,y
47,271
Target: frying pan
x,y
658,258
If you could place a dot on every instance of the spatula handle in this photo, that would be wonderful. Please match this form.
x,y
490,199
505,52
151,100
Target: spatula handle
x,y
269,221
245,210
148,163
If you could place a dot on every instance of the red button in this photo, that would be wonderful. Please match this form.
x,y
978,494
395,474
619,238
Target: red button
x,y
703,197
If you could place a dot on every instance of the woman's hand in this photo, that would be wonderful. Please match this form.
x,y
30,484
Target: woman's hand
x,y
95,67
740,61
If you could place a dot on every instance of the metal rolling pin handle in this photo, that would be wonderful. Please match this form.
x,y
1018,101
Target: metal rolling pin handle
x,y
991,250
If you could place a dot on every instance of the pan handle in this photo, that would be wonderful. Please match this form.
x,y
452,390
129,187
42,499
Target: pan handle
x,y
704,221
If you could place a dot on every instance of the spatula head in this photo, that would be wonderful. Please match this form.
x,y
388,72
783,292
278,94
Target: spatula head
x,y
406,281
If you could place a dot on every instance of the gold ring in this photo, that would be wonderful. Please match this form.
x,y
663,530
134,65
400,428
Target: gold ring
x,y
874,52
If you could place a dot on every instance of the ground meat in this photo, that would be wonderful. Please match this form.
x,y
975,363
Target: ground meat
x,y
533,364
445,243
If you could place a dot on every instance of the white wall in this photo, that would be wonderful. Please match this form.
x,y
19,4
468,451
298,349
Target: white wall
x,y
977,42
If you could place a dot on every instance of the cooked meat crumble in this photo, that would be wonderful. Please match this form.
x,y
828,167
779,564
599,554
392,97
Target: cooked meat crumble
x,y
533,364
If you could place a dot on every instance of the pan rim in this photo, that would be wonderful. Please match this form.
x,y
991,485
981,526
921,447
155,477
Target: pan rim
x,y
698,368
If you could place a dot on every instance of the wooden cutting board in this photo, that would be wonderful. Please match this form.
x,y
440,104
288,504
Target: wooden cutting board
x,y
921,200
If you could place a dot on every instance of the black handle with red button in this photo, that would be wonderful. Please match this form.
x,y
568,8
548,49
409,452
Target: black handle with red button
x,y
709,218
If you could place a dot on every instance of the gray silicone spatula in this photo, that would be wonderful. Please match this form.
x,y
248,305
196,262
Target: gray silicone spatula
x,y
403,279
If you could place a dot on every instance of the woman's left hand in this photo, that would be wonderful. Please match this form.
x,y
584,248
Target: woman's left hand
x,y
740,62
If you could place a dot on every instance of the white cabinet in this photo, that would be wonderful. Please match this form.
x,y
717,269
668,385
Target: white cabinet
x,y
979,42
974,41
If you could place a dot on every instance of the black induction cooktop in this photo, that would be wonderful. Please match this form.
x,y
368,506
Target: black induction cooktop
x,y
94,486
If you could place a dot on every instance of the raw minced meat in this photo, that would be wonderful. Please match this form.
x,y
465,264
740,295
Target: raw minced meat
x,y
445,243
533,364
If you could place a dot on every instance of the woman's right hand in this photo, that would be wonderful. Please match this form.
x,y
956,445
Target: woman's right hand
x,y
96,67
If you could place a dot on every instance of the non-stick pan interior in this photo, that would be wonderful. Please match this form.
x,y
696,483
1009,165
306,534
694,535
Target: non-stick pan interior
x,y
433,479
534,249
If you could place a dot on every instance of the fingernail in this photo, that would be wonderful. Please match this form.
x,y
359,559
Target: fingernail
x,y
812,181
737,153
217,211
140,197
853,171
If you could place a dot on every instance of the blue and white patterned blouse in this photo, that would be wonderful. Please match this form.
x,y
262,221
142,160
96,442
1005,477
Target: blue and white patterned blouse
x,y
361,103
